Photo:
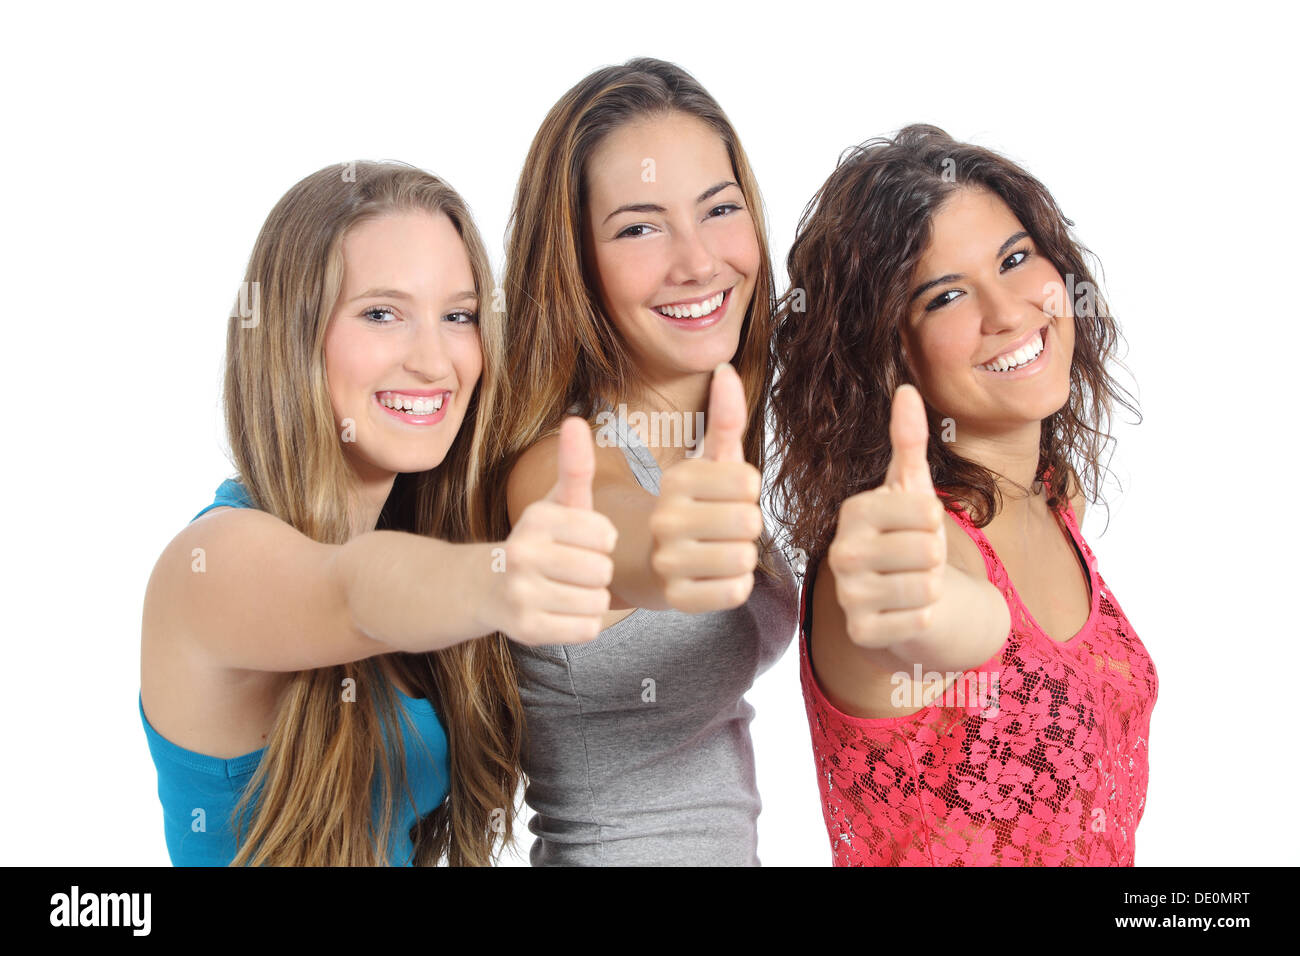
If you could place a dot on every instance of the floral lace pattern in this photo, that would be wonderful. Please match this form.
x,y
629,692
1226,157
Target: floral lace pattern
x,y
1048,770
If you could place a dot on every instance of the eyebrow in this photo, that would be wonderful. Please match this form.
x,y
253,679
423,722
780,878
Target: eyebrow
x,y
953,277
399,294
651,207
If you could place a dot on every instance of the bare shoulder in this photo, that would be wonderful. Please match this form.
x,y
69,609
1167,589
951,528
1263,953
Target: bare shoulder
x,y
963,553
534,474
856,681
213,710
527,481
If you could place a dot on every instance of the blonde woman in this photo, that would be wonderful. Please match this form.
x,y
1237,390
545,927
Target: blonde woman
x,y
316,686
637,273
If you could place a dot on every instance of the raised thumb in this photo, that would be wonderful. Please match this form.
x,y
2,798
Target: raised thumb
x,y
575,466
909,434
724,436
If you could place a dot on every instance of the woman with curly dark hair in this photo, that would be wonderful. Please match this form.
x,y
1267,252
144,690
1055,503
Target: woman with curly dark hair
x,y
942,407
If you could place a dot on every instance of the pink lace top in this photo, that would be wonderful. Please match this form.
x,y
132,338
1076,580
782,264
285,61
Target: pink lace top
x,y
1036,757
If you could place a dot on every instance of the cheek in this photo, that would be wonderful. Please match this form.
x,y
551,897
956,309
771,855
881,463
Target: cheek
x,y
629,274
469,364
351,362
1043,284
947,344
738,245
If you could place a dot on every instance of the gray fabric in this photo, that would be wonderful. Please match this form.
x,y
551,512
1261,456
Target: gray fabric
x,y
617,779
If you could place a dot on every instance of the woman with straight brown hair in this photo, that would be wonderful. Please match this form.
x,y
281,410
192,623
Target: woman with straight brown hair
x,y
637,274
322,681
942,406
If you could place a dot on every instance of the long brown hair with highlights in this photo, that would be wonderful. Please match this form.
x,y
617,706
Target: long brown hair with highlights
x,y
563,353
838,340
310,801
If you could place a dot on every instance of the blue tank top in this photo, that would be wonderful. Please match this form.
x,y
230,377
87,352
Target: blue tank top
x,y
199,793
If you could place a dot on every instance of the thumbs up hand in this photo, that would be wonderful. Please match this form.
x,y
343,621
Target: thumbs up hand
x,y
558,564
706,520
890,551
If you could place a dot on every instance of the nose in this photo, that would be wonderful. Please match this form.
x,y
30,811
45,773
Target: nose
x,y
693,261
1004,310
428,355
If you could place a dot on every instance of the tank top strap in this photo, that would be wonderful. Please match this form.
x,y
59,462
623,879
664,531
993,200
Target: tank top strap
x,y
992,564
614,430
1071,522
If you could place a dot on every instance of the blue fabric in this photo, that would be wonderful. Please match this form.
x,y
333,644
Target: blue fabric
x,y
189,782
230,493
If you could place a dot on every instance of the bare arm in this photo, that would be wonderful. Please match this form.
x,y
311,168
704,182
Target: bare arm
x,y
967,625
897,592
248,591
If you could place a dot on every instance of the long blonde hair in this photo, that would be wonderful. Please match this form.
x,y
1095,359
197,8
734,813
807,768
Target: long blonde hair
x,y
310,800
562,351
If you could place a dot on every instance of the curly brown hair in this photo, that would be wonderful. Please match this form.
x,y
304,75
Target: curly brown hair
x,y
837,346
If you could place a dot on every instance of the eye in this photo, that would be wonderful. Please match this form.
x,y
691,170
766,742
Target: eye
x,y
729,208
1023,254
462,317
629,234
370,313
942,299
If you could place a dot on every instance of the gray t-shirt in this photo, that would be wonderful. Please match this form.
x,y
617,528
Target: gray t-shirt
x,y
638,749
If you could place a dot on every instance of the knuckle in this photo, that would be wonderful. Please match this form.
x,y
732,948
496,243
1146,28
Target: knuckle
x,y
519,553
844,556
863,630
676,479
666,522
741,590
664,563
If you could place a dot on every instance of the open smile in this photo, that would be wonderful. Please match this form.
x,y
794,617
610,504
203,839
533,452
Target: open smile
x,y
423,407
696,313
1021,361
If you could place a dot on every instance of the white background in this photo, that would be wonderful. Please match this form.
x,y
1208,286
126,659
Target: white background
x,y
147,144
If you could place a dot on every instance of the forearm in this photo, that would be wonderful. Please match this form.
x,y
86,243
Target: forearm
x,y
415,593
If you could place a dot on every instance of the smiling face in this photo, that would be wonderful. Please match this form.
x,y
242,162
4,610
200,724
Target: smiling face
x,y
981,297
403,334
673,248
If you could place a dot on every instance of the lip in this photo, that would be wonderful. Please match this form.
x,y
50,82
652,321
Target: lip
x,y
704,321
1034,367
409,419
421,392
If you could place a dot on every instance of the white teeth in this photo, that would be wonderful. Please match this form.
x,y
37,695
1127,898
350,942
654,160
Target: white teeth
x,y
694,311
1022,356
416,406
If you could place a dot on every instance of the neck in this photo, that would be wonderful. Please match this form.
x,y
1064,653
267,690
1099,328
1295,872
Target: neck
x,y
373,487
684,395
1012,457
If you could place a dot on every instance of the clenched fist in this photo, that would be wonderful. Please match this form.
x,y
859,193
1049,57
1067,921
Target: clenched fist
x,y
890,553
558,564
707,519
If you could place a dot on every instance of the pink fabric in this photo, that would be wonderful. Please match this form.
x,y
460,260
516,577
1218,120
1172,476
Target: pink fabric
x,y
1048,767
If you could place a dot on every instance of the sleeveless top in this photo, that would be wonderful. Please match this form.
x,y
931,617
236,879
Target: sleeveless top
x,y
199,792
1038,756
638,749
